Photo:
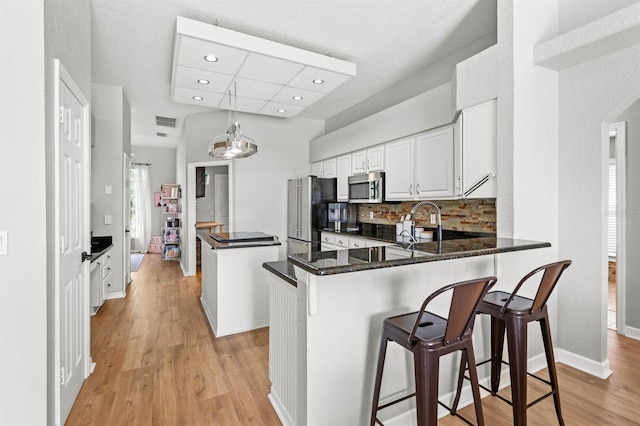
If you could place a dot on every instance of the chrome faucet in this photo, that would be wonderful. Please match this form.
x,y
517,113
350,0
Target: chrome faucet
x,y
422,203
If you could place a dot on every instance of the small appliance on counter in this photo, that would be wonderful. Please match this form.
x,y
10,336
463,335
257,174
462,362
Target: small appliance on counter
x,y
342,216
307,212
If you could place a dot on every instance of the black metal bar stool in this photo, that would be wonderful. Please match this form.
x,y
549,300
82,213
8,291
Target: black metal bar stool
x,y
513,313
429,337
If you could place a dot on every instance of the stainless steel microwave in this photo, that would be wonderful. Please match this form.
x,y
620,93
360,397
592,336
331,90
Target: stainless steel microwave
x,y
366,188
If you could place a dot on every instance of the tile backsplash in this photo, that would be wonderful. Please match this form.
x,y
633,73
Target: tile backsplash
x,y
470,215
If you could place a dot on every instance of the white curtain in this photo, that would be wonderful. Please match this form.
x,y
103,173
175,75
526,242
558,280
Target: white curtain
x,y
142,207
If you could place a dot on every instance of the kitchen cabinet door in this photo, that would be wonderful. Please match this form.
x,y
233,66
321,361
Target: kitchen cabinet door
x,y
479,149
434,162
367,160
329,168
359,162
343,171
316,169
399,184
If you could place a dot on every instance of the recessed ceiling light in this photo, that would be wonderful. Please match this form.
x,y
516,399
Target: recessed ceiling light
x,y
282,110
198,98
318,81
203,81
297,98
211,58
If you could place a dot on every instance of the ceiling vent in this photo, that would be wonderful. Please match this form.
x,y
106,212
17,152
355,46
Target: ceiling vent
x,y
165,121
162,135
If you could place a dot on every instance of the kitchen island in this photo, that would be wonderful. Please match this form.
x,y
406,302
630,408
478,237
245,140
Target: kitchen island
x,y
325,330
233,296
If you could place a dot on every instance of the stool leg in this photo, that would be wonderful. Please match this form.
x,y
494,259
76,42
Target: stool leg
x,y
517,342
497,347
553,377
463,367
475,387
376,388
426,366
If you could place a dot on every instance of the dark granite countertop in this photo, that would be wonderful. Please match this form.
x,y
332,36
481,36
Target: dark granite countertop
x,y
334,262
99,245
215,245
282,269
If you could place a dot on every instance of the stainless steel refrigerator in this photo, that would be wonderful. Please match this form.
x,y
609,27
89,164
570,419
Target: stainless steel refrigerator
x,y
307,205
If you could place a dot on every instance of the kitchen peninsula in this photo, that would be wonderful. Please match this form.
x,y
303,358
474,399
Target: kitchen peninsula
x,y
233,296
325,328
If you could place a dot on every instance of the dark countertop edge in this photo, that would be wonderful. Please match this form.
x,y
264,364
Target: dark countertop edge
x,y
333,270
282,269
224,246
96,255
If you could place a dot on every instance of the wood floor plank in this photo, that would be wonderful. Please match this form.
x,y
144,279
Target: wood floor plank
x,y
158,363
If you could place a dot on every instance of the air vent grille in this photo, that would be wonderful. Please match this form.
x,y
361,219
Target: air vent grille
x,y
165,121
162,135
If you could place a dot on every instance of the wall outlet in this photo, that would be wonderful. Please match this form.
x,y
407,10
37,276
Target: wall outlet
x,y
432,218
107,219
108,189
370,215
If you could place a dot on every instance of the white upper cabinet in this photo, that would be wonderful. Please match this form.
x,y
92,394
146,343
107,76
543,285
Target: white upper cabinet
x,y
399,177
343,171
478,150
367,160
421,167
324,169
434,172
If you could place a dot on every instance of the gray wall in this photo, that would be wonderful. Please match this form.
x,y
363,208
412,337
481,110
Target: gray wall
x,y
632,116
589,93
162,170
112,133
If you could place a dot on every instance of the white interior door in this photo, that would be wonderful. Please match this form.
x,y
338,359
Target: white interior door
x,y
72,231
221,197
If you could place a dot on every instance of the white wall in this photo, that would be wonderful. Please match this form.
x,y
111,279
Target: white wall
x,y
260,181
112,133
30,38
589,93
422,112
632,216
162,170
575,13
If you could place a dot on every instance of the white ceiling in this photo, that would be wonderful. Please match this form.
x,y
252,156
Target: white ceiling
x,y
388,40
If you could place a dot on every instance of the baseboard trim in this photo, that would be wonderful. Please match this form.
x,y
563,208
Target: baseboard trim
x,y
280,409
117,295
601,370
633,333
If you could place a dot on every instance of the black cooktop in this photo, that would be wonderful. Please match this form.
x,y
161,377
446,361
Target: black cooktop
x,y
231,237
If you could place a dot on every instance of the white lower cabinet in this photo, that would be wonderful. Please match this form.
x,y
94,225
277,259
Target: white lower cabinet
x,y
101,281
332,241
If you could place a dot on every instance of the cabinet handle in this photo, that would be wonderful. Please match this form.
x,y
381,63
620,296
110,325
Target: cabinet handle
x,y
356,245
340,242
363,168
411,189
367,164
418,188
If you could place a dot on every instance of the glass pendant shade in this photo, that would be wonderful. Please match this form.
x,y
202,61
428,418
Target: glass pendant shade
x,y
233,144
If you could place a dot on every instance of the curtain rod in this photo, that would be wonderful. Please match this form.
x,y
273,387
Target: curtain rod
x,y
140,164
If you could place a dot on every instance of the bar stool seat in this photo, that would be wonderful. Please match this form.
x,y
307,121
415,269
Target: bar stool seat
x,y
512,313
429,336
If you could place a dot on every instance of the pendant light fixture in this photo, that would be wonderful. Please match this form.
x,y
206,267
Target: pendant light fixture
x,y
233,144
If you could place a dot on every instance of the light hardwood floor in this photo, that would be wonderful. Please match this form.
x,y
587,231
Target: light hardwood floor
x,y
159,364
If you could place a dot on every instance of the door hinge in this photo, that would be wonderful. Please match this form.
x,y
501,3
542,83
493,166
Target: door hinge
x,y
62,375
61,117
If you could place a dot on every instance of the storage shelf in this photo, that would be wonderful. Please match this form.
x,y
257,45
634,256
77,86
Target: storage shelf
x,y
170,219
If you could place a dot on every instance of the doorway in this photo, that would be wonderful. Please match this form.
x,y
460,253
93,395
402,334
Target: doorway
x,y
200,210
616,224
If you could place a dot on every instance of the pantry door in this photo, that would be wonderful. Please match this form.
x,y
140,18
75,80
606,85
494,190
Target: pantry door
x,y
72,333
